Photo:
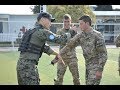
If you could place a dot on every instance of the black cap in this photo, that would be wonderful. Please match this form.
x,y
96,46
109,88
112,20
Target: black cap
x,y
45,15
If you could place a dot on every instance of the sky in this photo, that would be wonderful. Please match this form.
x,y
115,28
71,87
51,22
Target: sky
x,y
24,9
15,9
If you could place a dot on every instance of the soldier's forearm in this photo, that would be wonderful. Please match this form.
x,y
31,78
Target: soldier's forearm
x,y
47,49
71,44
64,50
54,53
102,58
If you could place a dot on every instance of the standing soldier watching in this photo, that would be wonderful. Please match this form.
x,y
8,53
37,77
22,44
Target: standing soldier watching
x,y
32,47
69,58
94,50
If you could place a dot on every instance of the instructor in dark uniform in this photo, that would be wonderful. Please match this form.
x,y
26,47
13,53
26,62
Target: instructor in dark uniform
x,y
32,46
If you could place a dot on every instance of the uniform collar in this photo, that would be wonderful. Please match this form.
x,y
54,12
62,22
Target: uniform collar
x,y
88,32
38,26
66,30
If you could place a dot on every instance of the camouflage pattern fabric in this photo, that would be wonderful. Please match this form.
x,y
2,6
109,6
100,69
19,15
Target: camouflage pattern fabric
x,y
26,70
70,60
117,41
94,50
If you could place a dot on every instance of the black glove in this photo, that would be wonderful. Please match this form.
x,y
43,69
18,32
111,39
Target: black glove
x,y
55,60
52,63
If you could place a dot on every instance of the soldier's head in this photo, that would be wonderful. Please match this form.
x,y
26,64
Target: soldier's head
x,y
66,21
85,22
45,19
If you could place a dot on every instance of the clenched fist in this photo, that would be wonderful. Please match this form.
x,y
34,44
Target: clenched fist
x,y
56,59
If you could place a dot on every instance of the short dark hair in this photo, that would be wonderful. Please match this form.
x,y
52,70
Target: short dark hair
x,y
86,18
67,16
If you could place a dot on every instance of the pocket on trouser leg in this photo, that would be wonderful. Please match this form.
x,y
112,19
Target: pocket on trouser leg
x,y
29,76
32,78
92,78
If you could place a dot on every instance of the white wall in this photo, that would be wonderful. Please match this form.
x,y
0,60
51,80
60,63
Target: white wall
x,y
5,24
18,21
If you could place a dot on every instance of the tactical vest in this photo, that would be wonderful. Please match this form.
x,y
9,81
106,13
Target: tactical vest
x,y
26,46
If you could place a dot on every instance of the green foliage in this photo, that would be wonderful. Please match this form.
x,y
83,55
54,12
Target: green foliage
x,y
36,9
76,11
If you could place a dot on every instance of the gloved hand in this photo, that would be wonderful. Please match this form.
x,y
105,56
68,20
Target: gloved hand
x,y
56,59
74,28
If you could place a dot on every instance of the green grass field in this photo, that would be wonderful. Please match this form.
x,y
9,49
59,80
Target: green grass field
x,y
47,72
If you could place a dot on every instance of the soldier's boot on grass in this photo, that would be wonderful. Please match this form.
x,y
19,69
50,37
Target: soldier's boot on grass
x,y
58,82
76,81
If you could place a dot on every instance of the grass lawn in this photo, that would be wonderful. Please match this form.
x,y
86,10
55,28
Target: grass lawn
x,y
47,72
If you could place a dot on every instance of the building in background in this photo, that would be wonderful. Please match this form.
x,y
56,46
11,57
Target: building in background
x,y
10,23
107,22
43,8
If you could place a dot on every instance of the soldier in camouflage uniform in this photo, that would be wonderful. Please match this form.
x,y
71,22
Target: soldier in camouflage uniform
x,y
94,50
32,49
117,43
69,58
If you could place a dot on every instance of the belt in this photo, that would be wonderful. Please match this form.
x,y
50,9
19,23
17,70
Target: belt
x,y
32,60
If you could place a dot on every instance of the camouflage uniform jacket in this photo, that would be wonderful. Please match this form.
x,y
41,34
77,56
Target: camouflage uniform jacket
x,y
71,33
39,38
117,41
93,46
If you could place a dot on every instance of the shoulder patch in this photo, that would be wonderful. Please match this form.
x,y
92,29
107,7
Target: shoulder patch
x,y
51,37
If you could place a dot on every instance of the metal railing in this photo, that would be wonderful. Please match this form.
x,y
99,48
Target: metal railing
x,y
9,30
8,37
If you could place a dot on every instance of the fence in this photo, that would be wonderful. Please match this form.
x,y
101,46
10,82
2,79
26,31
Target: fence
x,y
11,30
8,37
109,31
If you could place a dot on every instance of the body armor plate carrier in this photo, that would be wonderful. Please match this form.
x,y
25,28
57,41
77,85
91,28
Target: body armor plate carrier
x,y
26,46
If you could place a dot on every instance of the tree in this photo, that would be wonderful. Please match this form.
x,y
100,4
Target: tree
x,y
57,11
76,11
35,9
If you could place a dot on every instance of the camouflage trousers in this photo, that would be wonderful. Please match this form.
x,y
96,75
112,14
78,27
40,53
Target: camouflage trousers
x,y
61,69
27,72
91,69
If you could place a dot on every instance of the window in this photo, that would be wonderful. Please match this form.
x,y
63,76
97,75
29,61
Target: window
x,y
1,27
